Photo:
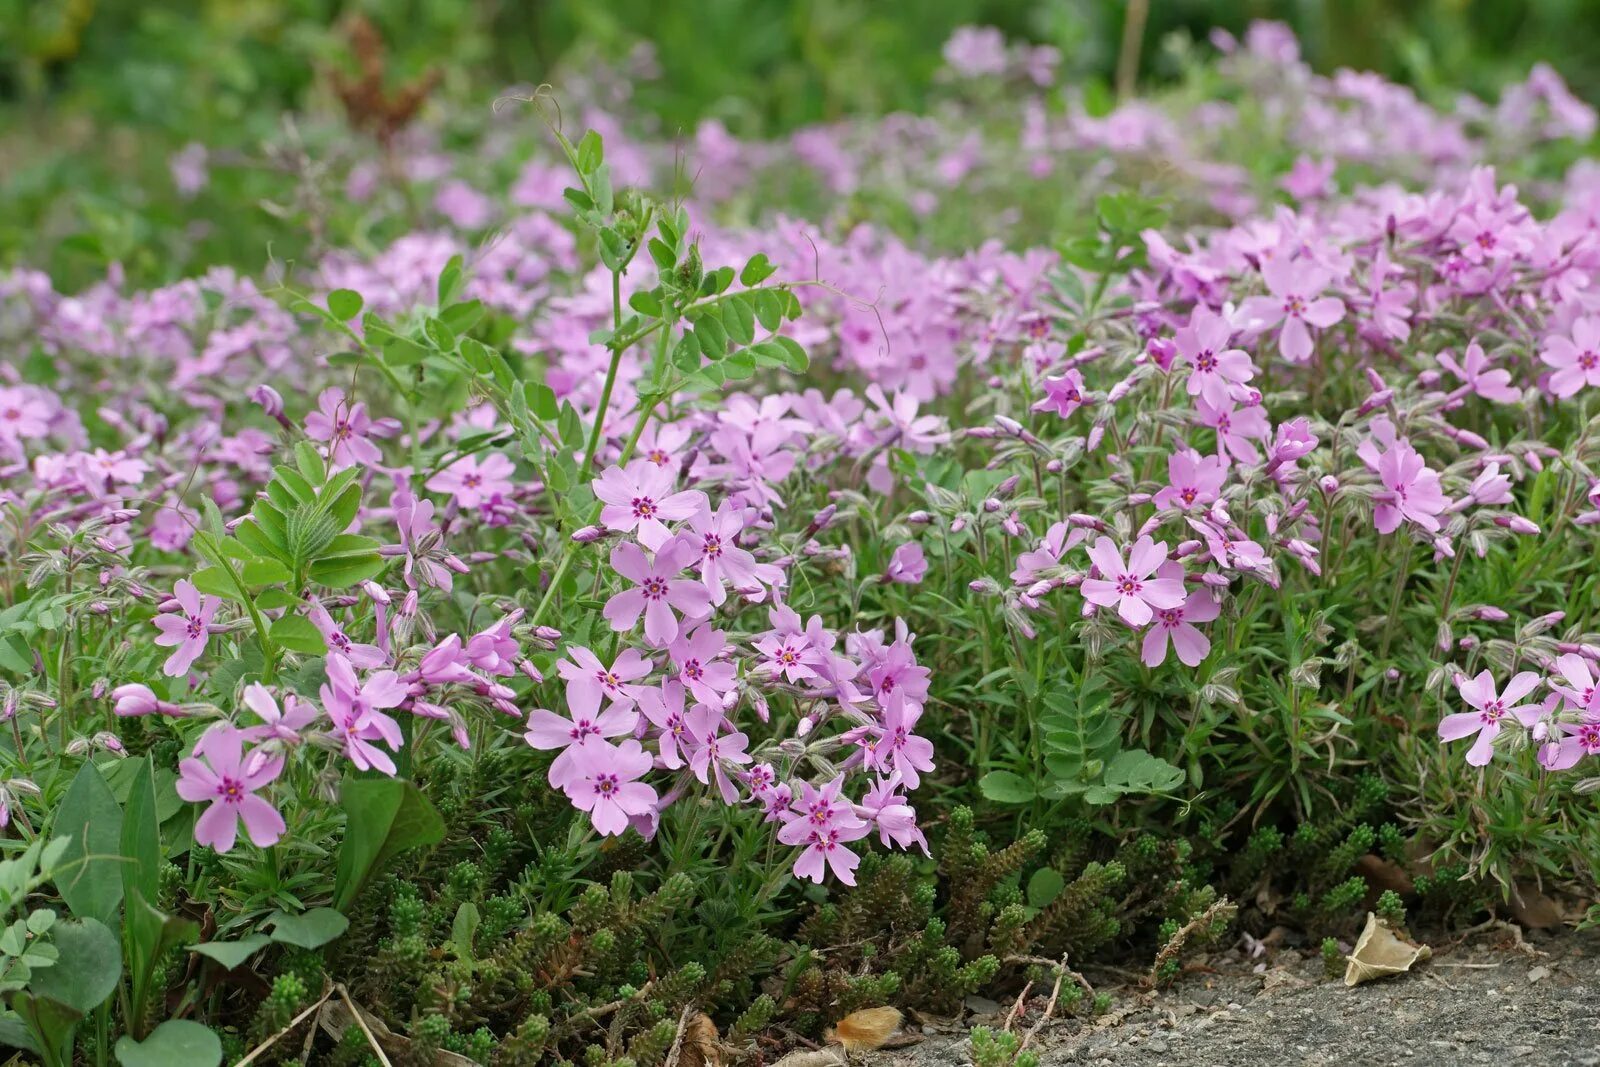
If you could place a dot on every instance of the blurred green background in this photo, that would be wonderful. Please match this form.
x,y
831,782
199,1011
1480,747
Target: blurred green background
x,y
96,95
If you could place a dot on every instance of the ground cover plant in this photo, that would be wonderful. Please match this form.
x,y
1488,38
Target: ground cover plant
x,y
612,581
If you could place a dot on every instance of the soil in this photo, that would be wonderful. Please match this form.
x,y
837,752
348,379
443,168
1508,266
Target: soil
x,y
1487,998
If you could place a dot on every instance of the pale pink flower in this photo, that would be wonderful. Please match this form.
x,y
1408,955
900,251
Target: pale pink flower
x,y
1576,358
1129,586
1296,302
221,773
471,481
658,592
1177,625
1489,709
187,629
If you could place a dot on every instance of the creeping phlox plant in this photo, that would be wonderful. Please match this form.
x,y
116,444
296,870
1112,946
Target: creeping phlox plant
x,y
518,536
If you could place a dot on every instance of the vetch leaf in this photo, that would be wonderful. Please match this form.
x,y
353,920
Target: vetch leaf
x,y
175,1043
232,954
312,929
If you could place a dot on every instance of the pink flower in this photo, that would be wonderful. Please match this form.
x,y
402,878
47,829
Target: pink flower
x,y
1177,624
356,710
1214,368
823,823
589,681
696,655
472,482
1297,302
134,699
24,415
1057,540
664,707
1237,428
220,772
359,655
898,748
716,750
1411,491
907,566
896,820
1194,479
547,730
1576,359
715,537
420,540
187,629
1577,740
604,784
1489,709
1579,692
345,427
1129,586
657,592
277,725
494,650
1063,394
641,498
1490,383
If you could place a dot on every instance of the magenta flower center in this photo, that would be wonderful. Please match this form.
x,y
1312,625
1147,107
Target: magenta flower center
x,y
654,588
1493,712
644,507
1171,618
605,785
1188,493
471,481
607,679
712,545
1206,362
1589,737
194,628
1128,585
230,790
582,729
693,671
1588,360
341,430
1294,306
13,414
787,656
658,457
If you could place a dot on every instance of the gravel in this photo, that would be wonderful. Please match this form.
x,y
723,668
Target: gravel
x,y
1485,1001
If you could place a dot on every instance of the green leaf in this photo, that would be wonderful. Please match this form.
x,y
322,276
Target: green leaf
x,y
711,335
463,928
383,817
739,317
403,352
91,869
175,1043
451,279
1006,787
297,634
309,461
148,934
263,570
461,318
798,361
1045,885
313,929
232,954
756,271
87,970
442,337
141,835
344,304
214,581
341,572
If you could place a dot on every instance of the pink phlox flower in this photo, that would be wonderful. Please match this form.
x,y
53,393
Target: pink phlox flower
x,y
1194,480
186,630
908,565
547,730
1574,356
787,648
346,428
1215,370
473,482
446,663
1177,625
359,655
1489,709
1491,383
664,707
824,823
900,749
356,709
589,681
220,772
658,591
1411,491
494,650
697,656
715,537
1575,741
642,498
1238,428
420,540
1063,394
716,750
604,783
1579,691
1391,307
1057,541
1227,547
895,819
1297,302
277,724
1129,586
900,424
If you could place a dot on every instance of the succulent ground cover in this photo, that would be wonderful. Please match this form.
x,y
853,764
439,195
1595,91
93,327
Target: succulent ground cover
x,y
605,579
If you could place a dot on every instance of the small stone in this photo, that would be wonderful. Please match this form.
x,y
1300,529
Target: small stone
x,y
1156,1045
1538,974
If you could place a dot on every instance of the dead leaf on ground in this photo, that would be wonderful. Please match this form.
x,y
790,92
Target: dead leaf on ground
x,y
701,1046
1536,910
865,1030
826,1057
1380,952
1382,874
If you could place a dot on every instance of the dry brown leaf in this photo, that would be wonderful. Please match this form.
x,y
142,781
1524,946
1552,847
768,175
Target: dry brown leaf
x,y
1379,953
1535,909
701,1046
865,1030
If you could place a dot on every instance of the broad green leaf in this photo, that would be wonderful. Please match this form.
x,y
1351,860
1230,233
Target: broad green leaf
x,y
141,835
87,970
344,304
232,954
90,878
383,817
1006,787
175,1043
1045,885
312,929
297,634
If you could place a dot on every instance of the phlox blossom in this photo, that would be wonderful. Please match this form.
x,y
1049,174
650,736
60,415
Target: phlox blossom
x,y
471,481
188,628
1297,302
221,773
1489,710
1575,357
1129,586
658,591
1177,625
642,498
604,782
824,823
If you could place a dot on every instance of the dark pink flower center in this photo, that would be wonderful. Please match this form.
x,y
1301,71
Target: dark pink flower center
x,y
1205,362
654,588
1493,712
644,507
658,457
607,679
1589,737
195,627
1128,585
1588,360
1188,493
583,729
713,545
230,790
471,481
605,784
693,671
1171,618
1294,306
